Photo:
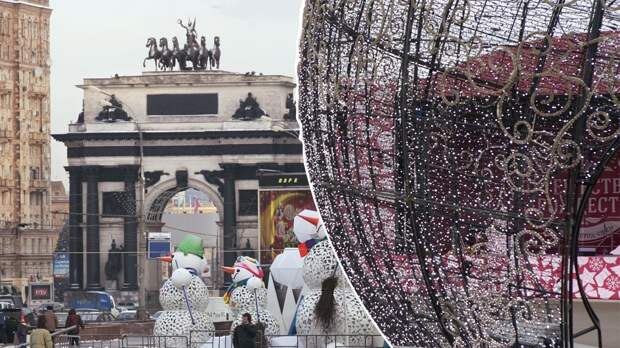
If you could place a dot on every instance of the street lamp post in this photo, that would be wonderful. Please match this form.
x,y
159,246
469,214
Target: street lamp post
x,y
141,313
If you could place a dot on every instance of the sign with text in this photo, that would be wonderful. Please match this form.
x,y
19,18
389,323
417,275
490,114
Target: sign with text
x,y
600,225
41,292
158,248
283,180
61,265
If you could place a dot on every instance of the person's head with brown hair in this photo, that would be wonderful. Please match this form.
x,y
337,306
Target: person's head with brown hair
x,y
41,322
72,311
246,318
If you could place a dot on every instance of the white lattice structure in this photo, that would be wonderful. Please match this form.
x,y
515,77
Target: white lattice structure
x,y
320,263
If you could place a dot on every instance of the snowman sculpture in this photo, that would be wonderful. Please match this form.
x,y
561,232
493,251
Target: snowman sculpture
x,y
247,294
328,306
184,296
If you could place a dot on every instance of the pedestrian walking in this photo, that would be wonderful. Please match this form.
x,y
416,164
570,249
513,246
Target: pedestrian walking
x,y
11,329
74,319
51,321
22,332
244,335
41,337
3,327
29,316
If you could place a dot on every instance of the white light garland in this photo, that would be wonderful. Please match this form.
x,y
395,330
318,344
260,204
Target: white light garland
x,y
434,133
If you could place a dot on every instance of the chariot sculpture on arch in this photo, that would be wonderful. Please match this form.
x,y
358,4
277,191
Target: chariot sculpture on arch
x,y
201,56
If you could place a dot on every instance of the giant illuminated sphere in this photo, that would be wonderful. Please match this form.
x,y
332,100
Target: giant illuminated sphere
x,y
445,142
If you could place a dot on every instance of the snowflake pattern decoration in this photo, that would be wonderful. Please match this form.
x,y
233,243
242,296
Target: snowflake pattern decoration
x,y
449,144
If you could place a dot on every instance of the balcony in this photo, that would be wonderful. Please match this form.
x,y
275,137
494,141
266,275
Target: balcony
x,y
5,135
6,86
8,183
38,137
39,184
38,91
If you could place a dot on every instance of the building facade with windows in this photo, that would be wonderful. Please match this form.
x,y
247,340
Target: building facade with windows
x,y
27,238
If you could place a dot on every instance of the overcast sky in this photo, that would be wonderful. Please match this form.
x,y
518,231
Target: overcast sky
x,y
101,38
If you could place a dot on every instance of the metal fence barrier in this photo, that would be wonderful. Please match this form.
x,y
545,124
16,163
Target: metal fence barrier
x,y
55,336
221,339
122,341
217,339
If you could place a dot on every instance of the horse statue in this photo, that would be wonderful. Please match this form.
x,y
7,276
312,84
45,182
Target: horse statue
x,y
167,59
154,53
178,54
205,56
217,53
192,49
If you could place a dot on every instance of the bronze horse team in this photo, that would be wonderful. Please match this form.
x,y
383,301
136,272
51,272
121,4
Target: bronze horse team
x,y
198,54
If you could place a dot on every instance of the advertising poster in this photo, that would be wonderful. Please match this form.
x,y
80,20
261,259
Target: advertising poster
x,y
61,275
600,225
61,265
277,211
41,292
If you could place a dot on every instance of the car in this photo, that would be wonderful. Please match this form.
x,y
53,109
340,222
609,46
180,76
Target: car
x,y
62,318
6,305
15,301
156,315
56,307
126,306
95,316
99,300
127,315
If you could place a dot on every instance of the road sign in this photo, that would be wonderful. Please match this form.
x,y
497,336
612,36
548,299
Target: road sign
x,y
158,248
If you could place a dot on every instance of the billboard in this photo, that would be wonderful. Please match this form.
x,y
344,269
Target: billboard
x,y
158,245
61,265
41,292
600,225
277,209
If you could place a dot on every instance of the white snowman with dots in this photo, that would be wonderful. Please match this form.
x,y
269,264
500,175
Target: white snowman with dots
x,y
247,294
184,296
328,306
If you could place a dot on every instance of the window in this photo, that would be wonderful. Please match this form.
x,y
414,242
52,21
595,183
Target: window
x,y
248,203
114,203
182,104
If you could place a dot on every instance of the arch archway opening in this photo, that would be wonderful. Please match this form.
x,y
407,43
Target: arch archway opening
x,y
193,209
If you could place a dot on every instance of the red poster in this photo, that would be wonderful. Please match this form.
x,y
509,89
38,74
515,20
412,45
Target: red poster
x,y
600,226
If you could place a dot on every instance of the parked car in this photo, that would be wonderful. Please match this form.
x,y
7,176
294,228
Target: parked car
x,y
6,305
14,300
126,306
57,307
62,318
156,315
127,315
99,300
95,316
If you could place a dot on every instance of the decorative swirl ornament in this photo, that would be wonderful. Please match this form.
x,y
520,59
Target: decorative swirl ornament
x,y
450,144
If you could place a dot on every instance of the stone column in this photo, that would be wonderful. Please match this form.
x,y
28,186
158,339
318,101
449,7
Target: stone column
x,y
230,234
92,227
76,243
130,233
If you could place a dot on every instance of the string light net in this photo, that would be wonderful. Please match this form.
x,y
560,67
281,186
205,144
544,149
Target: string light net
x,y
433,132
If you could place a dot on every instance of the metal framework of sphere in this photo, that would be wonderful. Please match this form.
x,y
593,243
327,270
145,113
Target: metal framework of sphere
x,y
433,131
